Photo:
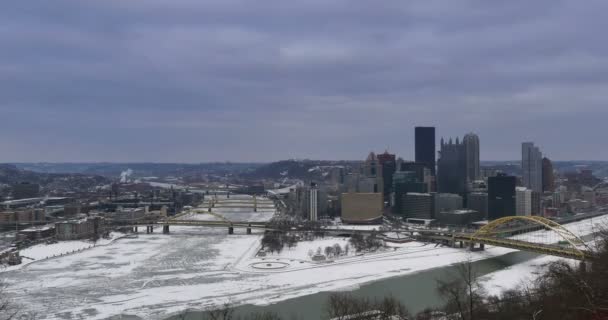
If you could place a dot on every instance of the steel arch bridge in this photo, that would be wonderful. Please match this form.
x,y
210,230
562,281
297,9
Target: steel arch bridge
x,y
488,234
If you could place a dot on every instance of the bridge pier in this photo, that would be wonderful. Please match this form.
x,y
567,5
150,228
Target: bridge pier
x,y
230,230
135,229
166,229
149,229
249,229
461,244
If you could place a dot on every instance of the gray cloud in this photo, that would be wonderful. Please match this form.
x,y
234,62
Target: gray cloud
x,y
199,80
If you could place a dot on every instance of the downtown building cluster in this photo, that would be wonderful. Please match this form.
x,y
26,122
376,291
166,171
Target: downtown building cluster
x,y
446,186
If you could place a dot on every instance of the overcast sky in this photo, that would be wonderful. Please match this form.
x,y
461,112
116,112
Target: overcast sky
x,y
199,80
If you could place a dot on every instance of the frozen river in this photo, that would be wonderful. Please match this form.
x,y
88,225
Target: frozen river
x,y
156,276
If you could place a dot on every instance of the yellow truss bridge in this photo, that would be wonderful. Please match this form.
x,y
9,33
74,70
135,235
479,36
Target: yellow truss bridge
x,y
571,246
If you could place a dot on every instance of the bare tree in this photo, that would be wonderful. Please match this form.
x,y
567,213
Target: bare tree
x,y
225,312
462,292
329,251
337,249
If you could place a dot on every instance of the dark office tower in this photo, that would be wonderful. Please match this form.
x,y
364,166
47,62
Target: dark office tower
x,y
548,177
501,196
471,145
425,147
452,168
389,166
404,182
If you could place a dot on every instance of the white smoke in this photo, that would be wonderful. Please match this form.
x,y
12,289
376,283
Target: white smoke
x,y
124,176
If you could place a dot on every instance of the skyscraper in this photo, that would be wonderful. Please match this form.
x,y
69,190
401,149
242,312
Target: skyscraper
x,y
548,177
452,169
425,147
532,163
501,196
471,146
372,170
313,204
389,166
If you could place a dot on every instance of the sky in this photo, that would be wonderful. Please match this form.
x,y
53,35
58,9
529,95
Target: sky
x,y
216,80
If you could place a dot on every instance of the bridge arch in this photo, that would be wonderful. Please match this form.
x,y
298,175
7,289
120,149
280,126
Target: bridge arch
x,y
490,230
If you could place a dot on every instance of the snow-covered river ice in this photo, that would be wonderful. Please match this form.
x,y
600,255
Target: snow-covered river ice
x,y
155,276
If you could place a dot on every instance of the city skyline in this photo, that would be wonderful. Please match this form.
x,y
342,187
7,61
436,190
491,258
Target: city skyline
x,y
198,81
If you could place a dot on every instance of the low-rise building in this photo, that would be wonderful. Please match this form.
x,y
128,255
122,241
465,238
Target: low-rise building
x,y
37,232
362,207
459,217
78,229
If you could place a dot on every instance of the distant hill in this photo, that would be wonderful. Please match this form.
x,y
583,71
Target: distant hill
x,y
140,169
11,174
308,170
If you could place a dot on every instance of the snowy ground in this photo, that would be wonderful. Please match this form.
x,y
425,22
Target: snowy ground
x,y
48,251
156,275
522,274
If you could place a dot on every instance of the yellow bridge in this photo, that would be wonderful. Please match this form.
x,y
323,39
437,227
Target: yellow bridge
x,y
494,233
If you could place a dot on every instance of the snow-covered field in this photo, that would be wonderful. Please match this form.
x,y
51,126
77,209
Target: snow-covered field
x,y
156,275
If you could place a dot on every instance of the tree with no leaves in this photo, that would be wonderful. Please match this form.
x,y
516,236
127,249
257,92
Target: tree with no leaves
x,y
462,291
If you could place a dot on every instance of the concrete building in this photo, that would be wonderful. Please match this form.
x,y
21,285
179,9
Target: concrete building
x,y
501,196
471,146
446,202
10,219
425,147
78,229
37,232
418,205
361,207
548,176
452,168
532,163
478,201
523,201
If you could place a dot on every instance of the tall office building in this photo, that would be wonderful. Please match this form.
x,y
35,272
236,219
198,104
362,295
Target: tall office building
x,y
531,164
548,177
523,201
501,196
389,166
425,147
373,169
452,169
313,204
471,146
